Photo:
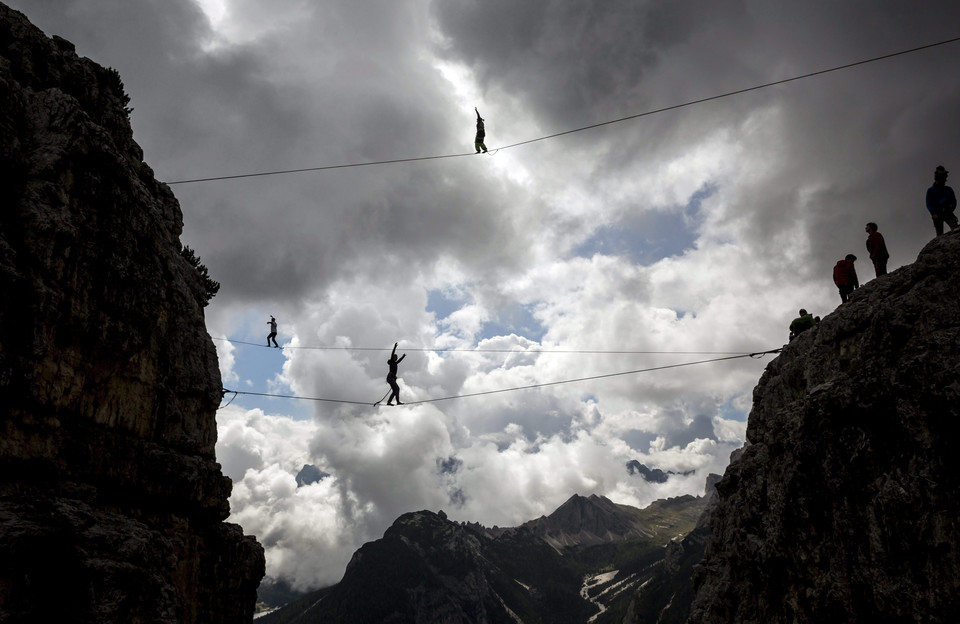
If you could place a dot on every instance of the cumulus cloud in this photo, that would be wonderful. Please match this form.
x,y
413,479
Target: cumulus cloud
x,y
621,253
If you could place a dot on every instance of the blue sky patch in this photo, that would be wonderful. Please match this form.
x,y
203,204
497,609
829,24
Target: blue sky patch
x,y
258,366
514,319
442,305
651,235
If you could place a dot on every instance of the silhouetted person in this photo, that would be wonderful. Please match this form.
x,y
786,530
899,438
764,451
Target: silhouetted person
x,y
845,277
481,133
392,375
877,249
802,323
273,332
941,202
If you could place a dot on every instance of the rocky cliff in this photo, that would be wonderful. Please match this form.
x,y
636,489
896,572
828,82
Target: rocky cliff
x,y
111,500
844,506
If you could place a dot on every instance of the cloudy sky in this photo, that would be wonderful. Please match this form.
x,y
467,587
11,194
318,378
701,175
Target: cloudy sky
x,y
697,231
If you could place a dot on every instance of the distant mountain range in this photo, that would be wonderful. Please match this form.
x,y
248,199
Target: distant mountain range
x,y
309,475
653,475
583,562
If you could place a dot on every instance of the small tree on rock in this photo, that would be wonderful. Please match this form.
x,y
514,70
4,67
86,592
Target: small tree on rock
x,y
210,286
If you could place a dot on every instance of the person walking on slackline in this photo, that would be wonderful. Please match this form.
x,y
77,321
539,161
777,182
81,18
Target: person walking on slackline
x,y
481,133
392,375
273,332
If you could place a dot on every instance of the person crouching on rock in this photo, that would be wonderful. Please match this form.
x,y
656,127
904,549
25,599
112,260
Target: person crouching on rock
x,y
802,323
392,375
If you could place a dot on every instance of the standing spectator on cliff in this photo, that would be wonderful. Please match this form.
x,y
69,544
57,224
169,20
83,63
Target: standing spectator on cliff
x,y
273,332
845,277
481,133
941,202
877,249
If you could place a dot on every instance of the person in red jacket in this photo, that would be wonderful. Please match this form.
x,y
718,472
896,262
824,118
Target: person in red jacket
x,y
845,277
877,249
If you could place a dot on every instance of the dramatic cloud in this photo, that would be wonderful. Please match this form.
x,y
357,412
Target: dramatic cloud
x,y
638,247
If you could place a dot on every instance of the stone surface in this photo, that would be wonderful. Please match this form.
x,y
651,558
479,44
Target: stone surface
x,y
111,500
844,505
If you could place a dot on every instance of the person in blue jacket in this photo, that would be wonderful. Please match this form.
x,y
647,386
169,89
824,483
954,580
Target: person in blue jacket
x,y
941,202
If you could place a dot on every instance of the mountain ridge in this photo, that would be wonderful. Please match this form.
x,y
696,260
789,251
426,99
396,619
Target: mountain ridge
x,y
427,568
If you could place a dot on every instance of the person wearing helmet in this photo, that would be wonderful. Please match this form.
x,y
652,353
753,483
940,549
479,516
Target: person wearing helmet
x,y
941,202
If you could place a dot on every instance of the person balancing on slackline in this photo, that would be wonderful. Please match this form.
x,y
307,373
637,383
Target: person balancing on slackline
x,y
481,133
392,375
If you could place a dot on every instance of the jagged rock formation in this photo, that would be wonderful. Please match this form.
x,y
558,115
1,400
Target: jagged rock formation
x,y
309,475
844,505
428,569
111,500
665,597
653,475
587,521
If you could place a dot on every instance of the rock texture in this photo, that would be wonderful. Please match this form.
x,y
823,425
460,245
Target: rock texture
x,y
111,500
844,507
666,595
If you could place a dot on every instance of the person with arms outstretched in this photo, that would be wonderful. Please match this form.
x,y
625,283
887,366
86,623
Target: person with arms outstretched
x,y
273,332
481,133
393,362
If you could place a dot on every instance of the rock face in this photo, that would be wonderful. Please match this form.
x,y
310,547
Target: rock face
x,y
111,500
666,595
844,506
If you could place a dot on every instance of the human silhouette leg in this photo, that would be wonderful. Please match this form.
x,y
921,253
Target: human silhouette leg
x,y
395,393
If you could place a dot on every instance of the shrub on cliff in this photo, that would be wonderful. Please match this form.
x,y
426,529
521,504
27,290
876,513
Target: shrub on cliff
x,y
210,286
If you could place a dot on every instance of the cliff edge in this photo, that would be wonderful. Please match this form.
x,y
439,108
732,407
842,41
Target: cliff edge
x,y
844,505
111,500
